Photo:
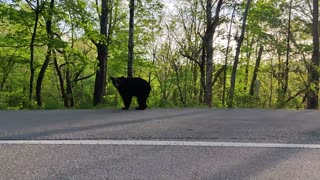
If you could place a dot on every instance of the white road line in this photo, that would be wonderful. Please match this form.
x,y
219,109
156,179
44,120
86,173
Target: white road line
x,y
158,143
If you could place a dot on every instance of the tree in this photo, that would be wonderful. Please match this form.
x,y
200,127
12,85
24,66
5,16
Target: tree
x,y
236,59
37,8
130,43
196,44
102,48
190,17
255,72
313,94
212,23
286,72
227,55
182,61
48,56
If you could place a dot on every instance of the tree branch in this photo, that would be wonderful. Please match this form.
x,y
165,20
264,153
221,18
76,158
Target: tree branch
x,y
83,78
217,74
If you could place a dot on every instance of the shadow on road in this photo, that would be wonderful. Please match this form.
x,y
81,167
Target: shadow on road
x,y
251,167
255,165
46,133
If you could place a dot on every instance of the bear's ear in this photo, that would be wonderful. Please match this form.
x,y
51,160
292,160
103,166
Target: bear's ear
x,y
114,81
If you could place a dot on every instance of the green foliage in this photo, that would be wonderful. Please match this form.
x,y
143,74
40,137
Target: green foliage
x,y
163,38
57,43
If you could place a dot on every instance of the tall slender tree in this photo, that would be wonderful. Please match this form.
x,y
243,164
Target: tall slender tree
x,y
37,8
236,59
286,68
102,48
255,72
131,43
211,25
313,94
226,58
48,56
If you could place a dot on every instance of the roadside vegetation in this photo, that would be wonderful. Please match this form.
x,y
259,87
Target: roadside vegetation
x,y
195,53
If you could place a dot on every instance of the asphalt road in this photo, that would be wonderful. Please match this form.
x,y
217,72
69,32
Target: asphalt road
x,y
100,161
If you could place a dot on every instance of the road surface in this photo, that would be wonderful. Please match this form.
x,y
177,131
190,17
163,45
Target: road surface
x,y
166,144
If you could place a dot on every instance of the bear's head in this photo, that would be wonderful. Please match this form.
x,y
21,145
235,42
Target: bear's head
x,y
117,81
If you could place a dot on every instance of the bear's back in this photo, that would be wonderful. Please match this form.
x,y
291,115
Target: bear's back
x,y
137,86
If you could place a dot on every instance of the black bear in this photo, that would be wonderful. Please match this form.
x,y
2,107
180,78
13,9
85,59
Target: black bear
x,y
128,87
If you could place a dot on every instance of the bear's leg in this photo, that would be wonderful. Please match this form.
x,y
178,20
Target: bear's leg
x,y
142,101
126,101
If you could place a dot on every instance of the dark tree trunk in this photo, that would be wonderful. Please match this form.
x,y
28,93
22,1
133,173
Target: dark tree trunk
x,y
100,81
69,90
217,74
32,56
63,94
130,43
194,81
212,24
255,72
71,82
41,76
101,73
202,75
271,83
248,57
38,9
48,56
208,39
67,93
7,69
286,72
236,59
176,70
313,95
226,59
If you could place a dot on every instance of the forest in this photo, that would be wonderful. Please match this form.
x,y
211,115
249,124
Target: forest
x,y
57,54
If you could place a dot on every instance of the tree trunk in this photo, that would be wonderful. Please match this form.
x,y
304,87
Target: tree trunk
x,y
7,69
100,80
131,44
63,94
279,76
32,57
226,59
48,56
212,24
312,98
255,72
176,70
70,82
41,76
236,59
248,57
271,83
202,76
208,39
194,81
69,90
38,9
286,72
